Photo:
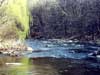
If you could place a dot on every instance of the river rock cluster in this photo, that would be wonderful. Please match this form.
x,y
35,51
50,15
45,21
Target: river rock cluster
x,y
12,48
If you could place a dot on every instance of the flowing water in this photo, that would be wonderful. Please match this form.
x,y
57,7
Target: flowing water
x,y
53,57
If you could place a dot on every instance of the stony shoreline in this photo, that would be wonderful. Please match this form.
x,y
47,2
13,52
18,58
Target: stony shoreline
x,y
13,48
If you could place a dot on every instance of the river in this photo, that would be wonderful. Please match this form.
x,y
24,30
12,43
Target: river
x,y
53,57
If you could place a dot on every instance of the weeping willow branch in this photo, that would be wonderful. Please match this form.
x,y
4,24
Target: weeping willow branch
x,y
14,17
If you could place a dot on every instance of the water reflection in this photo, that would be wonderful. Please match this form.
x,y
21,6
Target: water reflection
x,y
45,66
13,66
43,69
25,66
54,66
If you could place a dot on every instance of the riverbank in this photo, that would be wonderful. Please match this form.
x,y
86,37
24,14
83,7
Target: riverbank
x,y
13,47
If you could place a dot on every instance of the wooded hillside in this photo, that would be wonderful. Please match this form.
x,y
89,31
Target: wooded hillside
x,y
70,19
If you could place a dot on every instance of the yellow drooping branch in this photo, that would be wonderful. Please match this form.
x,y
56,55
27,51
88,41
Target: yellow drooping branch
x,y
19,10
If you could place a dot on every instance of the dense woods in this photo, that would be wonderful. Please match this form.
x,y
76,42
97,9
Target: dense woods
x,y
64,19
70,19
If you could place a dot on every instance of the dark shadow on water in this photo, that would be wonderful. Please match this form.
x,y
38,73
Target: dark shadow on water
x,y
48,66
64,66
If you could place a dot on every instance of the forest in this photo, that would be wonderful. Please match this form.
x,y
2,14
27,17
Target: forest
x,y
66,19
50,19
